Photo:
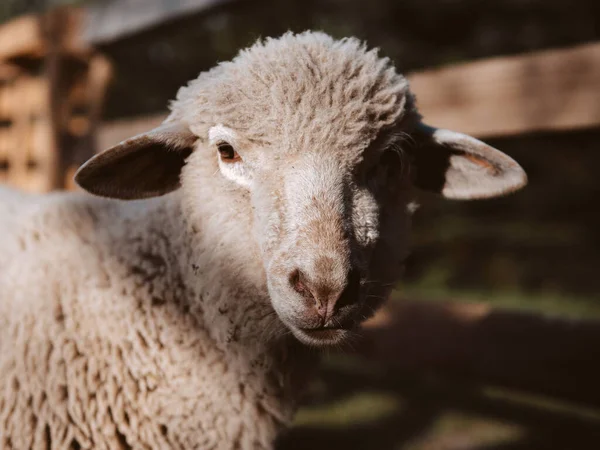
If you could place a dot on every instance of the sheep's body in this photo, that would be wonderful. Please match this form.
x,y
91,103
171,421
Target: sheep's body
x,y
166,323
102,341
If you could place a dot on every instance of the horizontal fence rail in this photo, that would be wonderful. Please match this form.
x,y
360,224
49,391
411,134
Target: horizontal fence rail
x,y
542,91
545,91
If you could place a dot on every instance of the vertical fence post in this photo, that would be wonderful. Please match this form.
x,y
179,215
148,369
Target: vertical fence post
x,y
52,87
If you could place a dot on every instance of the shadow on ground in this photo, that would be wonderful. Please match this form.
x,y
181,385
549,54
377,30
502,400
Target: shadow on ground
x,y
355,405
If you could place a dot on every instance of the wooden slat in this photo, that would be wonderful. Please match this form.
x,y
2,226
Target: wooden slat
x,y
19,133
21,36
549,90
36,110
3,144
63,27
545,91
5,102
84,127
25,35
21,144
8,72
114,19
111,133
3,154
41,141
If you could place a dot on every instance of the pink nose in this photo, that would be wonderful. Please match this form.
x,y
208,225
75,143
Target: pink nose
x,y
327,298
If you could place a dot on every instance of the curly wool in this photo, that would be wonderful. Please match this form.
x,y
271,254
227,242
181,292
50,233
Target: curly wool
x,y
148,324
336,91
103,345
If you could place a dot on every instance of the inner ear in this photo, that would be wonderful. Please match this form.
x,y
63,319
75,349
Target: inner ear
x,y
443,164
430,169
461,167
147,165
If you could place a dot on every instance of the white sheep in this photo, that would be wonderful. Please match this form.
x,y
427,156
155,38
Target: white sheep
x,y
177,321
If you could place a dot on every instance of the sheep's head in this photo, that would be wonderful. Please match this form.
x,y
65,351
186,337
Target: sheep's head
x,y
322,139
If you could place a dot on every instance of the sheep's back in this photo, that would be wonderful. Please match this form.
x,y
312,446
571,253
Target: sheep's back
x,y
99,343
53,283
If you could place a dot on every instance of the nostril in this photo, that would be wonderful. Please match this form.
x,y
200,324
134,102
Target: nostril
x,y
301,285
297,280
350,294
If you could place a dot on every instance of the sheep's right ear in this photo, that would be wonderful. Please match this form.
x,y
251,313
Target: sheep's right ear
x,y
147,165
461,167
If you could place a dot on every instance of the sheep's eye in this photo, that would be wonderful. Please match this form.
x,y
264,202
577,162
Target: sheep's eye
x,y
390,159
385,171
227,153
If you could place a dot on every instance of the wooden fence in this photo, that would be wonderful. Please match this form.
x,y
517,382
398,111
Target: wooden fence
x,y
49,122
51,90
545,91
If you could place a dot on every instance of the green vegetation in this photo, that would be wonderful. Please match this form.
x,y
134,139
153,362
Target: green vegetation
x,y
359,408
551,303
377,409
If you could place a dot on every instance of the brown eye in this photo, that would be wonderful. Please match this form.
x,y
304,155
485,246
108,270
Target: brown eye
x,y
391,159
227,153
386,172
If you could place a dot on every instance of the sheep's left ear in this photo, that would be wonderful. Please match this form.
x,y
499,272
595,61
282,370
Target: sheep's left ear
x,y
147,165
461,167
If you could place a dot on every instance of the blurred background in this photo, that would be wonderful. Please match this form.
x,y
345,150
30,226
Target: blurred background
x,y
493,340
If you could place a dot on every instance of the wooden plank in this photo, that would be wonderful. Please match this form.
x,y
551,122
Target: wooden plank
x,y
115,19
63,28
83,128
21,36
3,147
8,72
19,132
549,90
546,91
111,133
477,344
27,35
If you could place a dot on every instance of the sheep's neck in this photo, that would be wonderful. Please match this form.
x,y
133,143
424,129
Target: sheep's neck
x,y
218,286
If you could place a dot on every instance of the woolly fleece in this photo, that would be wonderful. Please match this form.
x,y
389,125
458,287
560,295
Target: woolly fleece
x,y
150,324
147,324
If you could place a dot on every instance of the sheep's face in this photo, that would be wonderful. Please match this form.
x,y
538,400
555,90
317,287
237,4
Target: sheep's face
x,y
332,224
321,141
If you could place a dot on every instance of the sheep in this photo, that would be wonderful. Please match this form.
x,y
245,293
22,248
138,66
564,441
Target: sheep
x,y
267,215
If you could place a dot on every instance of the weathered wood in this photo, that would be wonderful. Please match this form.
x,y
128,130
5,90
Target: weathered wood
x,y
21,36
48,120
111,133
64,27
57,31
115,19
477,344
89,93
26,155
8,72
27,36
548,90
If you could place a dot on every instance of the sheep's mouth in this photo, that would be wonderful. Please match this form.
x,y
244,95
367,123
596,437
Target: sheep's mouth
x,y
321,336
